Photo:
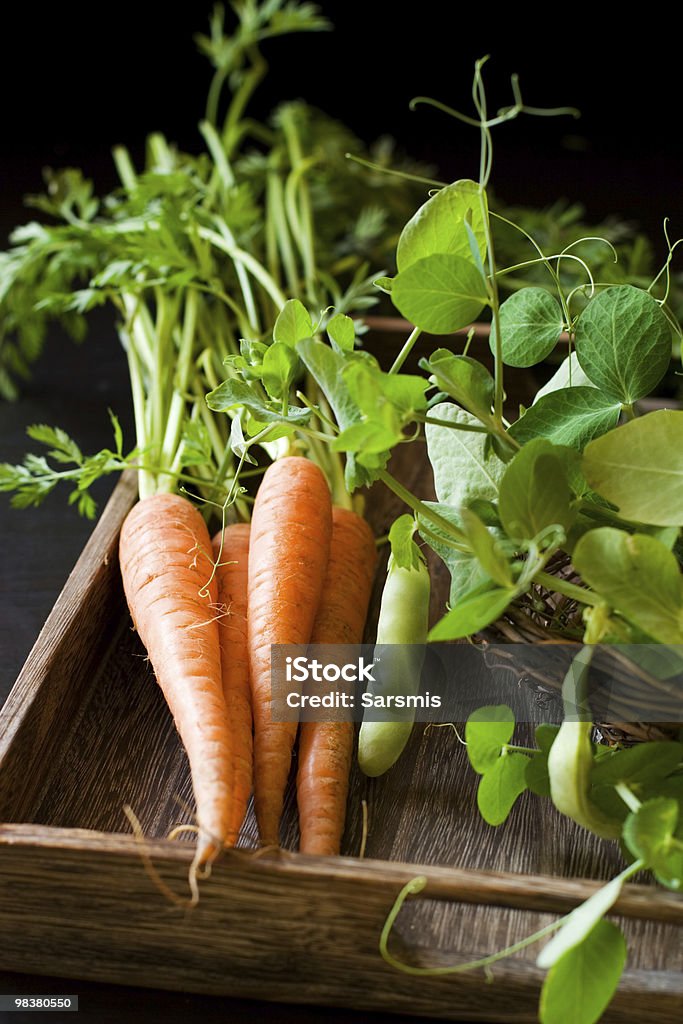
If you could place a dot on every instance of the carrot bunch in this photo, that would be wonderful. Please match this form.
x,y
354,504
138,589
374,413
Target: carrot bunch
x,y
300,572
196,263
310,575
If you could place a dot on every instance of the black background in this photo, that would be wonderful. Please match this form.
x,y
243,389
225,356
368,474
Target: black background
x,y
76,79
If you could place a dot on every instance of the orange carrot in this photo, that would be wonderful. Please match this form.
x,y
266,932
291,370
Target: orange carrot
x,y
232,575
165,555
326,748
291,528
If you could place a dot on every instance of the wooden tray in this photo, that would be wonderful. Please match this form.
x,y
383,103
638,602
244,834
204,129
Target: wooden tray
x,y
86,731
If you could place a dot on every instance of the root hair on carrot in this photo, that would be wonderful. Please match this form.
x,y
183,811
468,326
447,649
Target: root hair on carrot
x,y
260,851
179,829
215,618
445,725
148,864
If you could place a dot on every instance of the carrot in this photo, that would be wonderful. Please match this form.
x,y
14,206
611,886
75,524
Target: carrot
x,y
291,528
326,748
165,561
232,575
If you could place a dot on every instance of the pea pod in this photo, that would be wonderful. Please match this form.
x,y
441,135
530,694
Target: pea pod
x,y
571,756
399,655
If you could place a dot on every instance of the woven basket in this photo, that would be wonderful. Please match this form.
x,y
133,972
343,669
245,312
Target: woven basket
x,y
552,620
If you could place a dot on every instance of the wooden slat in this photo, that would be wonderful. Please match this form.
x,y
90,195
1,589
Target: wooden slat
x,y
293,929
502,889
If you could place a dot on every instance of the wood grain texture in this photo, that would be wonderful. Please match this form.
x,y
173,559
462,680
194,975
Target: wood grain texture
x,y
91,723
299,929
58,670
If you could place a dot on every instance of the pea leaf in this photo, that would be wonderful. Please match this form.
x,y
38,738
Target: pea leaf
x,y
500,786
293,323
363,441
440,293
581,984
487,730
463,470
537,778
342,332
472,613
652,833
464,379
534,492
234,393
385,403
484,546
639,468
545,736
636,765
373,391
569,416
439,226
327,367
580,922
623,342
238,444
279,369
405,551
531,322
568,374
487,511
638,576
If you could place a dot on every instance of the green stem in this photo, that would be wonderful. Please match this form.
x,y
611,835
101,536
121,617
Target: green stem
x,y
629,798
124,168
571,590
257,271
301,214
415,886
543,258
160,397
214,96
474,428
418,884
231,132
279,221
420,508
140,329
145,479
178,404
495,311
217,443
301,223
244,282
406,350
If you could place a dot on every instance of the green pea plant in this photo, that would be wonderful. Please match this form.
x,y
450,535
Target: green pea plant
x,y
564,518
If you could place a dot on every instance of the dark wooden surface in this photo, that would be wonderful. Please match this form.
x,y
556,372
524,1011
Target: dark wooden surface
x,y
116,744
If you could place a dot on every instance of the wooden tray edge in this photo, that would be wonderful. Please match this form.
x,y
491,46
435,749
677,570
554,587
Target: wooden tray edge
x,y
537,893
